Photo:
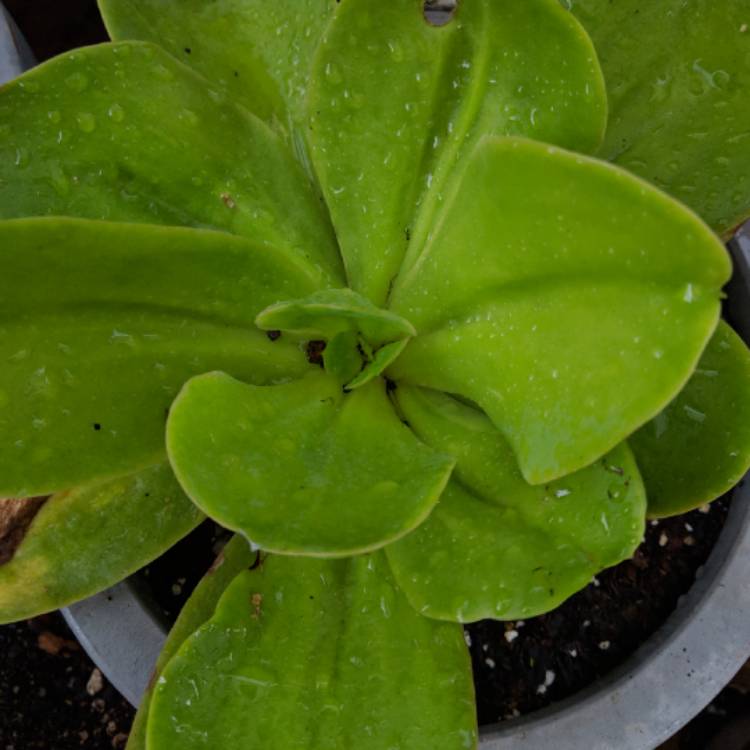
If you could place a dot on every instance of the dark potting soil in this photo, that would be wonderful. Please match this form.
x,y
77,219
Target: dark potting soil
x,y
52,697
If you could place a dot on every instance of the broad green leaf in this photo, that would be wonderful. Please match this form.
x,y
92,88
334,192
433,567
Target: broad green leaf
x,y
100,326
259,51
395,102
87,539
234,558
498,547
698,448
328,312
307,654
301,467
568,299
126,133
677,76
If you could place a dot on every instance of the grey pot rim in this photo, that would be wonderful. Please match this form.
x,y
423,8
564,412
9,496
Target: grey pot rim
x,y
15,54
657,690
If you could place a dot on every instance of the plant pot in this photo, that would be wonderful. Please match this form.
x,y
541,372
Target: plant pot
x,y
669,679
15,55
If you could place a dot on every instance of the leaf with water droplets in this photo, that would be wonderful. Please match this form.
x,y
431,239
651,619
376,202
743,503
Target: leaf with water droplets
x,y
100,326
302,468
120,142
86,539
678,76
316,654
199,608
395,102
259,52
698,448
575,313
496,546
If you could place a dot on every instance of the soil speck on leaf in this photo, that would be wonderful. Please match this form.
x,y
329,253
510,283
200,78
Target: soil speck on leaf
x,y
256,600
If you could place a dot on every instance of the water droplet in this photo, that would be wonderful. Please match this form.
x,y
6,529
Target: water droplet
x,y
59,179
77,82
164,73
333,73
116,112
694,414
86,122
22,157
660,89
397,53
54,116
30,86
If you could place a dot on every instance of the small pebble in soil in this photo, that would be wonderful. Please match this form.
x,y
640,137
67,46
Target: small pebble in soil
x,y
663,539
604,645
95,683
511,635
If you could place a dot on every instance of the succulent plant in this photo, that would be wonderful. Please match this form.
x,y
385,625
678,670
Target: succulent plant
x,y
405,304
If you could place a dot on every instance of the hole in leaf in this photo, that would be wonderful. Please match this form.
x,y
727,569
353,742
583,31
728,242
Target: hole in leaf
x,y
439,12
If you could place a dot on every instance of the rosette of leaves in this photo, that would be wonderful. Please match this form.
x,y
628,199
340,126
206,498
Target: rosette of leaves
x,y
360,288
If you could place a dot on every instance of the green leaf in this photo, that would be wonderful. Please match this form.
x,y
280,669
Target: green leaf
x,y
306,654
84,540
126,133
381,360
259,52
234,558
577,311
677,76
698,448
341,357
498,547
328,312
394,103
100,326
302,468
